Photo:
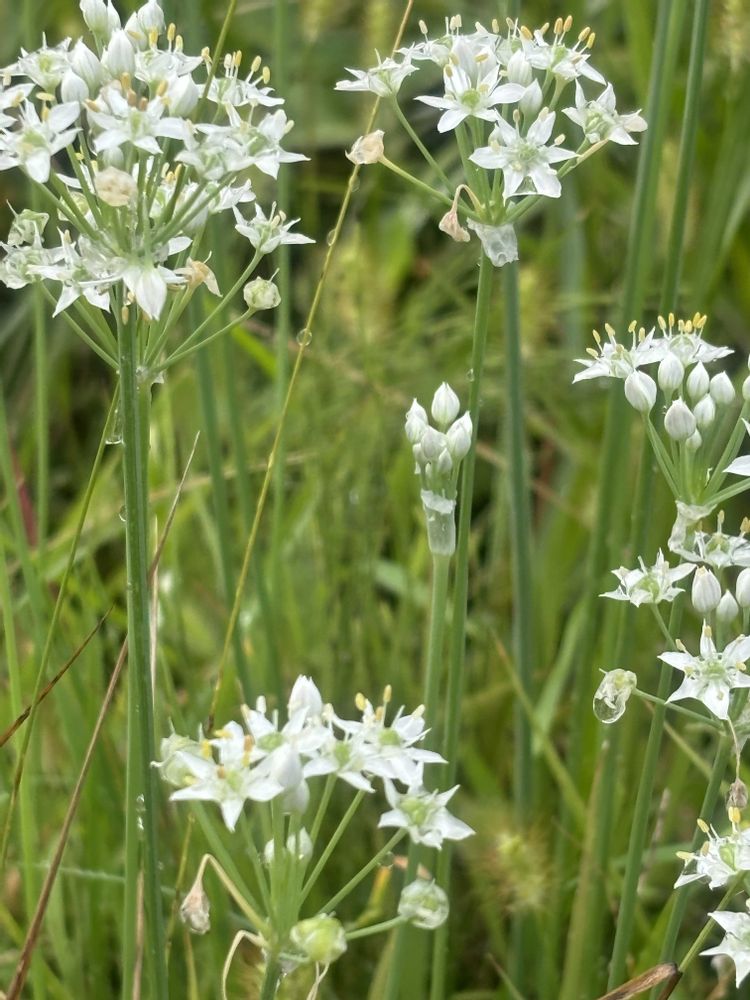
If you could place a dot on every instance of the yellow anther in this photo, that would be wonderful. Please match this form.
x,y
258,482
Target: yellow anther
x,y
671,320
689,327
266,74
162,88
495,26
153,38
684,855
597,338
387,694
610,331
558,26
256,64
568,24
702,825
221,771
206,54
360,701
734,814
590,40
423,27
584,33
179,43
544,28
662,323
594,353
227,62
237,58
171,31
525,33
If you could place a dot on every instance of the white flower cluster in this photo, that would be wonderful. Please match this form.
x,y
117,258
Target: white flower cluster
x,y
501,94
438,452
692,396
152,149
264,760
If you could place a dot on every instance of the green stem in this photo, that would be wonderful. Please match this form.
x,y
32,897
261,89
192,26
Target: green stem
x,y
331,845
141,779
363,872
440,575
460,597
385,925
271,979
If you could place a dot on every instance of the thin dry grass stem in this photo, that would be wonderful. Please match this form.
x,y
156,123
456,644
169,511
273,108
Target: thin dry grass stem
x,y
32,935
16,725
666,972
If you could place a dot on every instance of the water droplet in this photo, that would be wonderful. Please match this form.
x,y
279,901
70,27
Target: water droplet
x,y
140,804
331,238
304,337
612,695
470,375
607,711
389,860
122,513
114,433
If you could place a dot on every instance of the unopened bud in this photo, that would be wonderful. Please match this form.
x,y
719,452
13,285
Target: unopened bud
x,y
101,18
183,96
721,389
742,588
73,88
670,373
640,391
445,406
727,608
119,56
706,592
679,421
416,423
697,382
531,101
694,442
367,149
705,412
432,443
459,436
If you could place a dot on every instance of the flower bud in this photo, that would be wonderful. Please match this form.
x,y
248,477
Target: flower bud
x,y
721,389
368,148
112,158
742,588
640,391
450,224
531,101
679,421
670,373
423,904
172,765
87,66
182,96
445,406
706,592
195,907
416,423
296,800
459,436
286,767
705,412
433,442
321,939
261,294
299,845
694,442
150,17
444,463
101,18
519,69
746,389
119,56
73,88
697,382
727,608
305,695
115,187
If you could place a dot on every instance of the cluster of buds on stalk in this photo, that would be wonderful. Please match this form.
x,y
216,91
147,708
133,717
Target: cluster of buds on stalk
x,y
438,452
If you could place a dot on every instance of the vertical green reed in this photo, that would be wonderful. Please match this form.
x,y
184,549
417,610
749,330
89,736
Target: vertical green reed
x,y
457,642
141,793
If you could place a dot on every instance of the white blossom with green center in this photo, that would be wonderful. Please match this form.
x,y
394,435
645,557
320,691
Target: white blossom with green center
x,y
736,943
712,676
649,584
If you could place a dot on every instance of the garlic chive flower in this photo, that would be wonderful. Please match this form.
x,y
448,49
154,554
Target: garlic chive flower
x,y
649,585
498,92
146,154
711,676
424,904
718,860
736,943
423,815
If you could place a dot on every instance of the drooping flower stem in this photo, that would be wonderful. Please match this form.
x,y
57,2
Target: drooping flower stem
x,y
135,394
460,596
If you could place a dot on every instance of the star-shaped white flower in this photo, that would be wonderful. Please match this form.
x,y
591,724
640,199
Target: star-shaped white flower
x,y
649,585
385,79
711,676
266,233
472,87
614,360
35,140
600,121
228,786
736,943
560,60
524,159
423,815
718,860
119,123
